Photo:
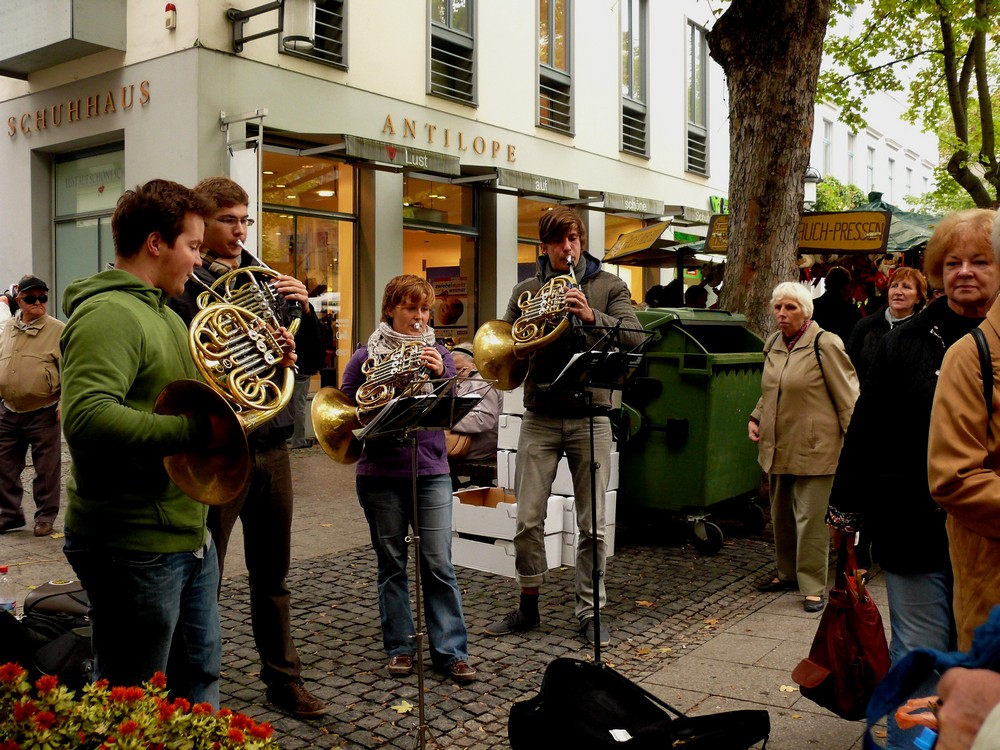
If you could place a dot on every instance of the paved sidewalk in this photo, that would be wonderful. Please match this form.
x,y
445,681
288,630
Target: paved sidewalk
x,y
691,629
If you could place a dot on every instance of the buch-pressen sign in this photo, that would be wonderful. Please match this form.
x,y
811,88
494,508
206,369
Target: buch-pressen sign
x,y
833,232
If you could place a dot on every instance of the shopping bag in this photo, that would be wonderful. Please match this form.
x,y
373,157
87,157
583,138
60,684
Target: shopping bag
x,y
849,655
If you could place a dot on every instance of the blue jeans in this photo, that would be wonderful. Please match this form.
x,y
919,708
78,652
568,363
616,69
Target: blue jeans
x,y
920,616
388,506
153,612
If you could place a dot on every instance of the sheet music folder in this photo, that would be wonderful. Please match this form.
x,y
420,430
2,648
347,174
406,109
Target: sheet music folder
x,y
598,369
438,410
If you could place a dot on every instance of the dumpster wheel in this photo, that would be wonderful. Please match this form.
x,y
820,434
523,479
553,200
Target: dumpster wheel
x,y
754,518
707,537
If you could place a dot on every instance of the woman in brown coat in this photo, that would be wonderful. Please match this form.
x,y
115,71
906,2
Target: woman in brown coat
x,y
808,390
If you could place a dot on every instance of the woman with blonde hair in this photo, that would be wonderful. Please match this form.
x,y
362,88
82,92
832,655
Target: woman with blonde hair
x,y
808,390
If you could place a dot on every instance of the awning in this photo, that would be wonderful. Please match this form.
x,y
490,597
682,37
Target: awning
x,y
533,184
403,156
620,203
643,247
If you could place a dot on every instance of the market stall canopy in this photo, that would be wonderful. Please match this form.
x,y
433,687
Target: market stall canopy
x,y
644,247
908,230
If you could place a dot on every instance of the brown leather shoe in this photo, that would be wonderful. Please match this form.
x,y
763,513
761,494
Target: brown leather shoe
x,y
461,672
43,528
401,665
295,699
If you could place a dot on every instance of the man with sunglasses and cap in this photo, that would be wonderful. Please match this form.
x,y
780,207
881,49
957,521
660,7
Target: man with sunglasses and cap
x,y
29,408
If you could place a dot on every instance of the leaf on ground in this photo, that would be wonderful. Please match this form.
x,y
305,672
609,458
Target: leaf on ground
x,y
643,603
796,716
402,708
56,535
788,689
643,651
326,525
666,650
711,622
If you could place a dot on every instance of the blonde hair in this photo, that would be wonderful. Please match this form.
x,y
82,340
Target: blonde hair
x,y
972,226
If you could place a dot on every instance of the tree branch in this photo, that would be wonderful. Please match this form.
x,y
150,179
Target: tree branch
x,y
868,71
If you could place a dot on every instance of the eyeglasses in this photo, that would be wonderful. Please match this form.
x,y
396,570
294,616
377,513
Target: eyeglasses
x,y
232,221
32,299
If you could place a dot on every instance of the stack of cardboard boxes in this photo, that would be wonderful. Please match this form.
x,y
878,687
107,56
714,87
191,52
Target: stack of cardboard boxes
x,y
484,520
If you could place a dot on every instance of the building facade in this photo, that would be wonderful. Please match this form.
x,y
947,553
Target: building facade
x,y
420,136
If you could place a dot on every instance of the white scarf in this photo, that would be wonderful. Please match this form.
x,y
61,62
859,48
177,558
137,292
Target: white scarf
x,y
386,339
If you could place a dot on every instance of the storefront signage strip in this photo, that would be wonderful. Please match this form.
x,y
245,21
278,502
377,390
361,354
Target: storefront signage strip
x,y
833,232
404,156
634,204
533,183
101,104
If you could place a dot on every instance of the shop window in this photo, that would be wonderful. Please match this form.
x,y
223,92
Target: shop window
x,y
307,230
633,32
330,34
697,101
555,92
440,243
452,52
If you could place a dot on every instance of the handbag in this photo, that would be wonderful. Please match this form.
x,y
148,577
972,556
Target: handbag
x,y
849,654
586,705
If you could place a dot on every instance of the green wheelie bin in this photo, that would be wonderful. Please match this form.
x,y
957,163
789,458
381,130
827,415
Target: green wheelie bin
x,y
689,405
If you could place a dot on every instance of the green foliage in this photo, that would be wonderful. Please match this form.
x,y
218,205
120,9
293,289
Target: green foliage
x,y
833,195
927,49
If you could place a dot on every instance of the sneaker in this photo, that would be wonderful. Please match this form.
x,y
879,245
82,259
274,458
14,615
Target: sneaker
x,y
587,631
513,622
295,699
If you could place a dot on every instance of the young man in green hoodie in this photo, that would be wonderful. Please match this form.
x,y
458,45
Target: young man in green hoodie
x,y
138,544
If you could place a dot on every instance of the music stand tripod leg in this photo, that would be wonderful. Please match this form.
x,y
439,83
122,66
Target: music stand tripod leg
x,y
422,728
595,557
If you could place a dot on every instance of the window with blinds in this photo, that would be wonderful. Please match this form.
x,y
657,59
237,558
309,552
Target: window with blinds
x,y
452,69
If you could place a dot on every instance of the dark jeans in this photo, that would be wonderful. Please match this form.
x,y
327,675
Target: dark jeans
x,y
266,513
38,429
153,612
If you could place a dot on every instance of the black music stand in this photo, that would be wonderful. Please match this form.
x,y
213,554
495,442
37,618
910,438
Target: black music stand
x,y
439,409
609,367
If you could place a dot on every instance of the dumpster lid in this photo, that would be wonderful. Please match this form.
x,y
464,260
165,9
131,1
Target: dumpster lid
x,y
688,317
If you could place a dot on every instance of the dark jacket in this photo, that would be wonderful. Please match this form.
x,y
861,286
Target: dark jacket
x,y
610,300
835,314
865,338
882,473
307,346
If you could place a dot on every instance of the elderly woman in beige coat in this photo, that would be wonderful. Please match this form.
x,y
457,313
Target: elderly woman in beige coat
x,y
808,389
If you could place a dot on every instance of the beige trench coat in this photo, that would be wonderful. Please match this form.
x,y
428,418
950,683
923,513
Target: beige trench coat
x,y
801,419
962,473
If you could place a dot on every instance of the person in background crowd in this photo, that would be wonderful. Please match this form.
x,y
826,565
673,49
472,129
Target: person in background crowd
x,y
29,408
480,425
907,296
8,303
808,390
557,421
834,310
696,296
265,510
138,544
881,484
385,488
964,448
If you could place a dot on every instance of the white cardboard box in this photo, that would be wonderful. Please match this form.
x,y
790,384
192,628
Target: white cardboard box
x,y
488,512
498,556
563,484
513,401
508,431
569,544
506,465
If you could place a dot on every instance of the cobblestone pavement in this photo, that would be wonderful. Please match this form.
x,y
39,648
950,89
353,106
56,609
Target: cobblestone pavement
x,y
662,600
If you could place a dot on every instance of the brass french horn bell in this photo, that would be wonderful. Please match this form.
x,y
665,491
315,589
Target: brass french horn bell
x,y
335,419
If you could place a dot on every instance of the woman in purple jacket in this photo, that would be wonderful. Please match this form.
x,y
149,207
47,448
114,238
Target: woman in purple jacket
x,y
385,490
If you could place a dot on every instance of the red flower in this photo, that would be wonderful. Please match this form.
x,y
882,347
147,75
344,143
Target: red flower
x,y
102,684
166,709
158,680
183,704
127,694
9,745
224,712
11,672
45,720
237,736
24,710
46,684
262,731
202,708
241,721
128,727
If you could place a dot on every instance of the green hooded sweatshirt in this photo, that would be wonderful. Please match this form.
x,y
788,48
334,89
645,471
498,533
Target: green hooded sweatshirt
x,y
121,347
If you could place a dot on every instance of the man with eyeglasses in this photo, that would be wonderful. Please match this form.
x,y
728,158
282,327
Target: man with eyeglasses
x,y
29,408
265,509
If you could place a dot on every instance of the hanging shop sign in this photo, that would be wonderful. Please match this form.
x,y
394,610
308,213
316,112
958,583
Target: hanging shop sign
x,y
824,232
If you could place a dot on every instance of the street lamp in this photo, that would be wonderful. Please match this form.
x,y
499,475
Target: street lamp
x,y
811,180
296,24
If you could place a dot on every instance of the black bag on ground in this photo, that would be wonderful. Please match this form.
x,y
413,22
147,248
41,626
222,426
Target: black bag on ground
x,y
587,705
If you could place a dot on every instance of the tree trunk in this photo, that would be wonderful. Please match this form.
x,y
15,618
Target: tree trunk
x,y
770,51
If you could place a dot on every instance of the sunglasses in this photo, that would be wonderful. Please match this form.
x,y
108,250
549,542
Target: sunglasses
x,y
32,299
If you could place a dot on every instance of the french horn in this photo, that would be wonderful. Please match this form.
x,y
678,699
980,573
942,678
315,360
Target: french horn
x,y
234,344
335,417
501,350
